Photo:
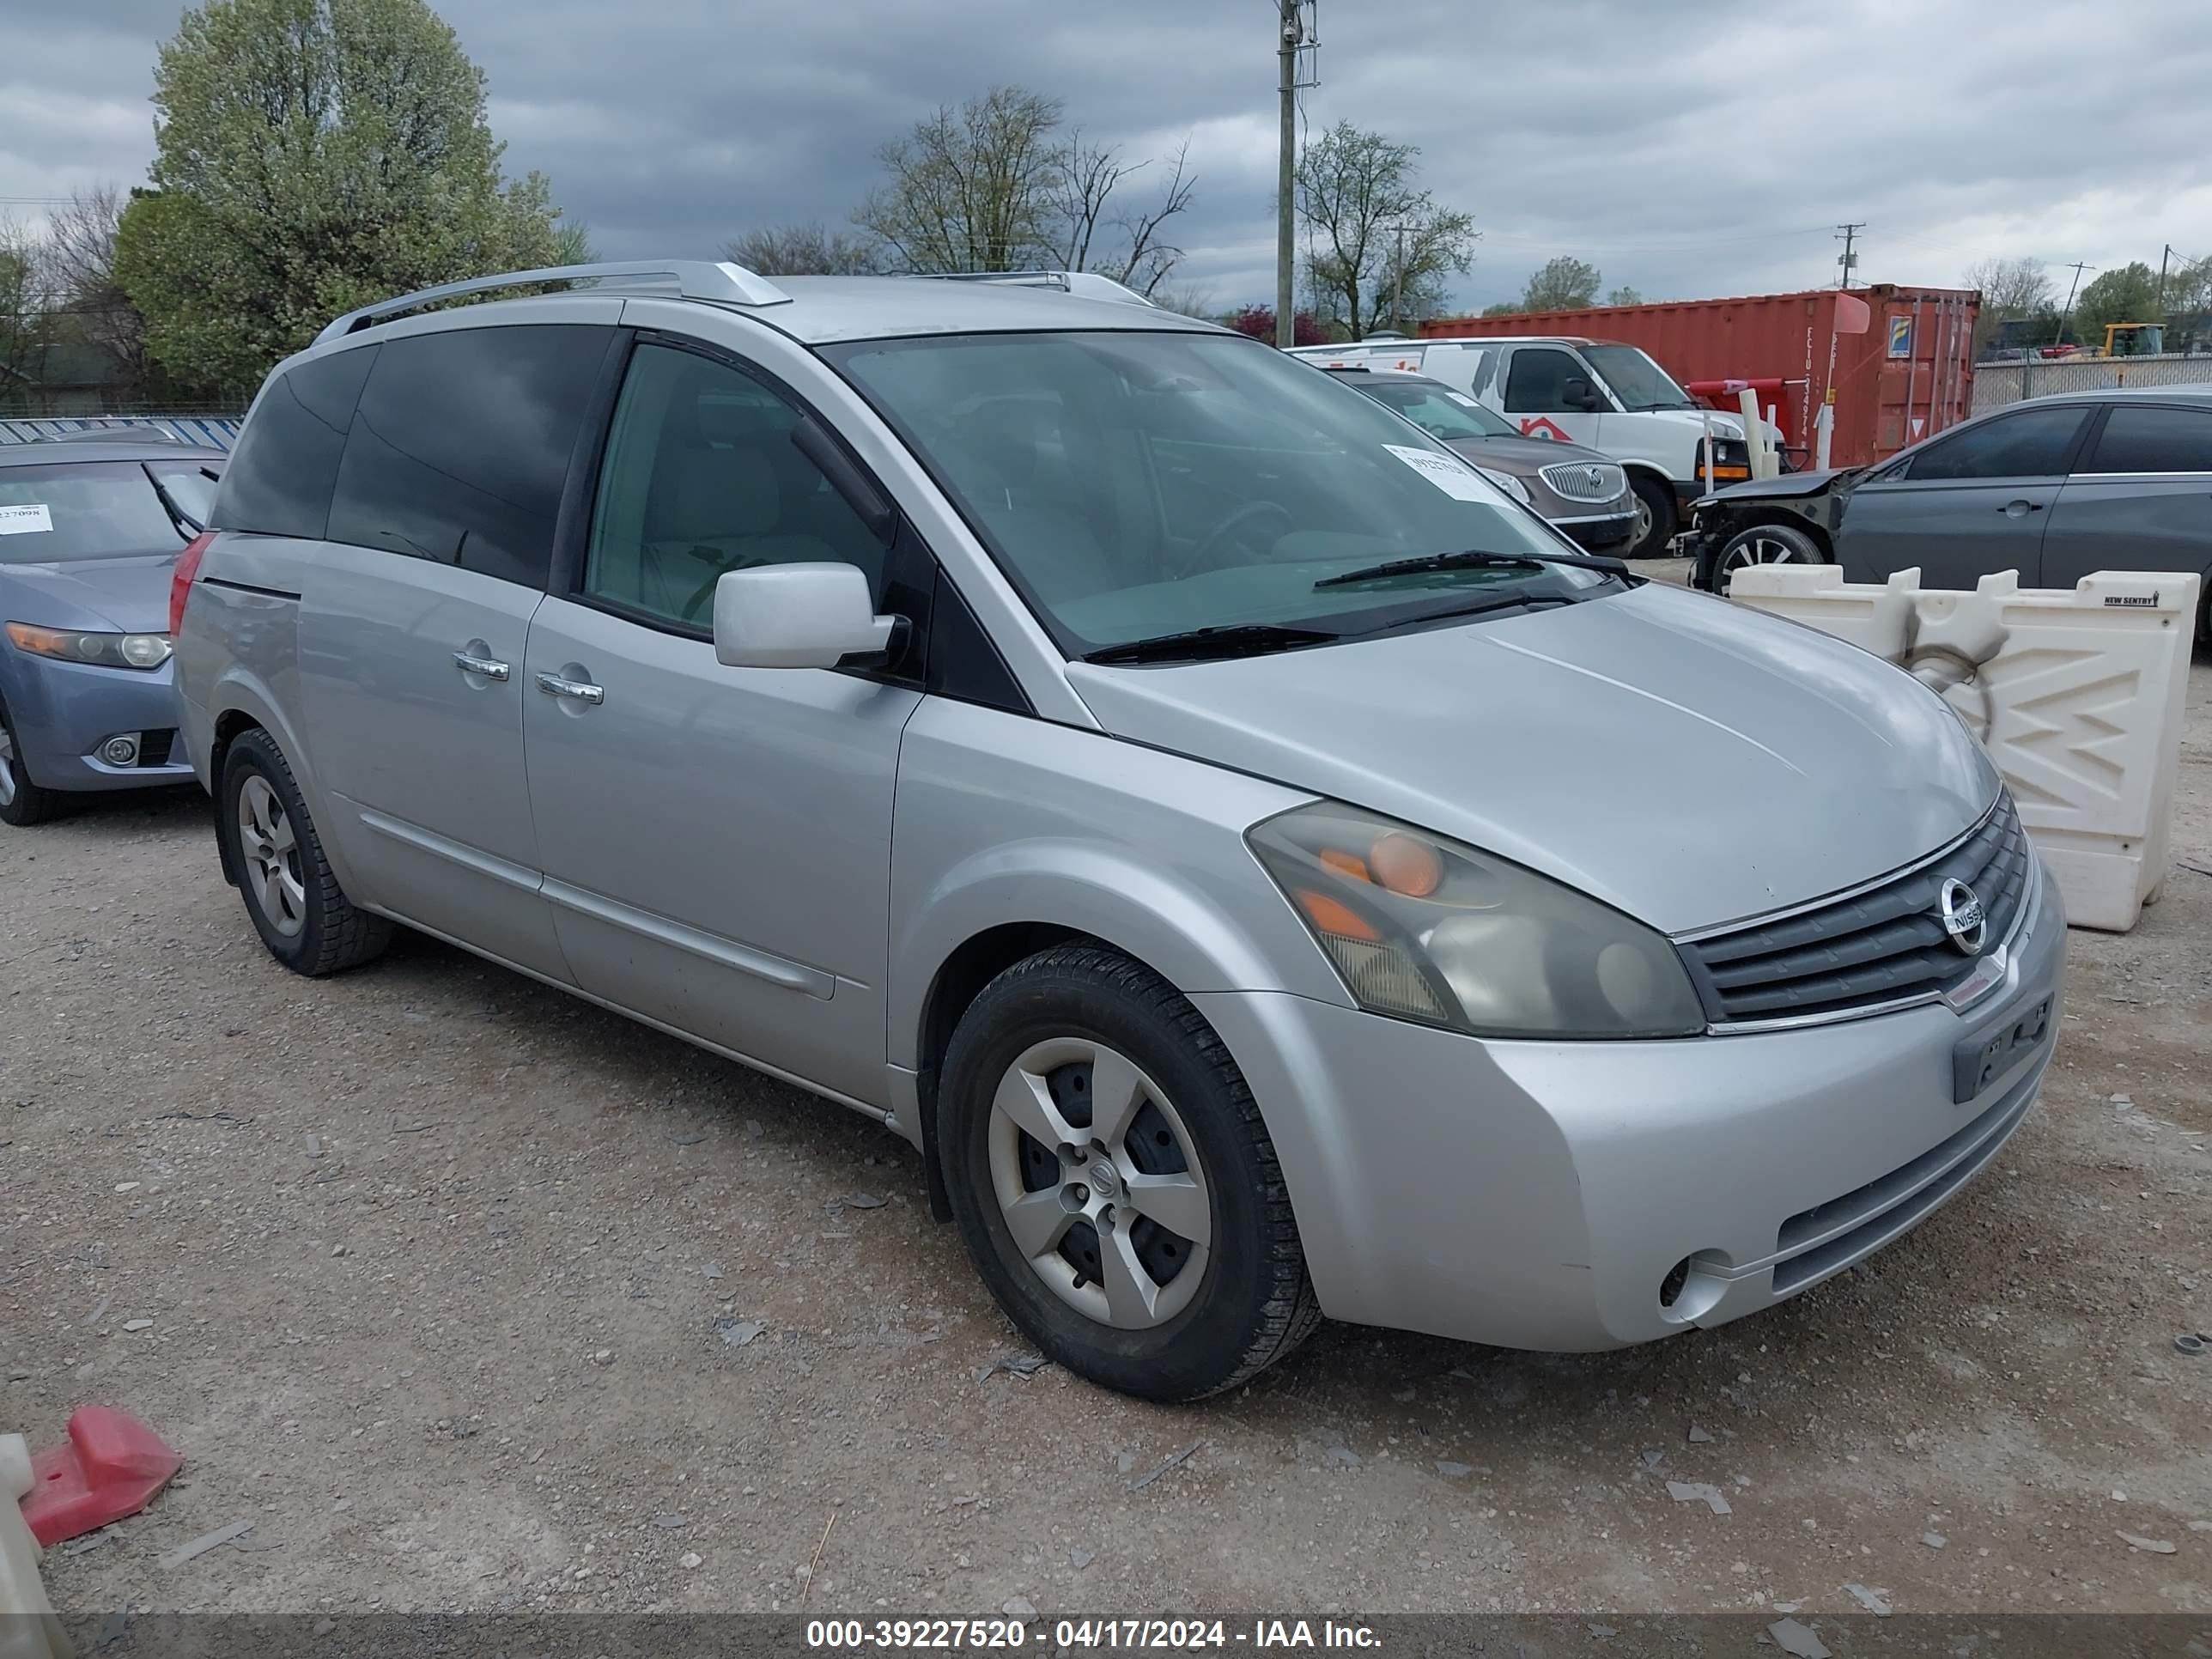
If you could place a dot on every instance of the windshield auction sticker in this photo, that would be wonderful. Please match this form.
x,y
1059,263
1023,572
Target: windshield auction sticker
x,y
22,521
1456,479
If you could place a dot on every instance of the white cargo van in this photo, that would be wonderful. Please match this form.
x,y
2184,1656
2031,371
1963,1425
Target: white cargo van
x,y
1609,396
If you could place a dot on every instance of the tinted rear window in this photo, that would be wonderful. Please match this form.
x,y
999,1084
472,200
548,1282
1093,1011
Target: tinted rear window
x,y
461,443
2153,441
278,482
82,510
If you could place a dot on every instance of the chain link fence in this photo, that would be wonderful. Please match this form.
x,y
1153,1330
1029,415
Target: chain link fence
x,y
220,430
1997,385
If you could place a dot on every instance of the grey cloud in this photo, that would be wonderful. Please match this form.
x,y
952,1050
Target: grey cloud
x,y
1685,151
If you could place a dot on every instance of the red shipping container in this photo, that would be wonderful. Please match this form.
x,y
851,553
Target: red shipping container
x,y
1906,372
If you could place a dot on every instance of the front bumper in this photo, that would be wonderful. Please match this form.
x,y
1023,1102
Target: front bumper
x,y
1549,1194
1601,533
63,712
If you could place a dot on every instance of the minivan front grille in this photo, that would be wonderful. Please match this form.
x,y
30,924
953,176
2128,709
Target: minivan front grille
x,y
1886,945
1584,481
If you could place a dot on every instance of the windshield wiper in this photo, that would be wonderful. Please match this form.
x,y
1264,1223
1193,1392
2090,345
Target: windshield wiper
x,y
1472,559
1242,640
181,520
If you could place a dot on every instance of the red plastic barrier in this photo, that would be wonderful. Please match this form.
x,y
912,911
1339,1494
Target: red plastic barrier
x,y
110,1466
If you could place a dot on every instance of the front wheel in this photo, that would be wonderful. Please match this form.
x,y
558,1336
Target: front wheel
x,y
1657,518
1114,1183
1762,544
23,803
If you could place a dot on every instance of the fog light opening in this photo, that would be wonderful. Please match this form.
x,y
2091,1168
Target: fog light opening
x,y
1692,1286
120,750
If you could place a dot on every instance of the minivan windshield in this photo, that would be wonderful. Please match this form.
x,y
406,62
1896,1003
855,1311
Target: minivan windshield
x,y
1142,486
1639,383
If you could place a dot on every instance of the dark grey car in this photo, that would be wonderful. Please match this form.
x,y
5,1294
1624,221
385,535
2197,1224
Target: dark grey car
x,y
1581,491
2055,489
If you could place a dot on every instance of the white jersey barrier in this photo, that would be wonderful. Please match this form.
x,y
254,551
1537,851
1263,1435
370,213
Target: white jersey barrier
x,y
29,1629
2077,693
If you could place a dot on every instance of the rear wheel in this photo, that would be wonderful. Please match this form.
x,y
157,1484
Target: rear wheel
x,y
1657,518
292,896
23,803
1764,543
1112,1180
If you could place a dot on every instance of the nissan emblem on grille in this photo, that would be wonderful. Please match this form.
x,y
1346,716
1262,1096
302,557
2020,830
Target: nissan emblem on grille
x,y
1964,919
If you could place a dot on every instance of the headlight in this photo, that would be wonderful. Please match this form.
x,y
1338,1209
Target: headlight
x,y
1423,928
1506,482
106,650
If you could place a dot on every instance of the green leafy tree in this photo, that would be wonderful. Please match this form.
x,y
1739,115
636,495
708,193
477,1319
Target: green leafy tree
x,y
313,156
2126,294
1381,246
1623,296
1502,308
1563,283
22,307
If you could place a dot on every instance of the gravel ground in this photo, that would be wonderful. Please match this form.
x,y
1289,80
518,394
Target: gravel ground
x,y
469,1295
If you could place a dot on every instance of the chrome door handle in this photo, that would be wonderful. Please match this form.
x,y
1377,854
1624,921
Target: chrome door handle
x,y
490,667
553,685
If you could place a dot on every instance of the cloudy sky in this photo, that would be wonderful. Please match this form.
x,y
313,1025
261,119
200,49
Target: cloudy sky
x,y
1685,149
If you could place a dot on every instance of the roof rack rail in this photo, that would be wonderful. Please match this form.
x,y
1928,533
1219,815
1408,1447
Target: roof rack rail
x,y
1084,284
692,279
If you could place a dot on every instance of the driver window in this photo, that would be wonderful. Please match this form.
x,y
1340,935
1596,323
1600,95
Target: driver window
x,y
1536,384
700,477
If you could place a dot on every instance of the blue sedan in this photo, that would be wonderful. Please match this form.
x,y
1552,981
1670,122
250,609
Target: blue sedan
x,y
88,533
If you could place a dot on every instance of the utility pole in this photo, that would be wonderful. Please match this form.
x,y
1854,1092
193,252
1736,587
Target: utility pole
x,y
2079,267
1848,234
1398,287
1286,54
2162,258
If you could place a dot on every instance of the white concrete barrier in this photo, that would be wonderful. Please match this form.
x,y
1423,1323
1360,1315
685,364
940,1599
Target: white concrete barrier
x,y
29,1629
2078,695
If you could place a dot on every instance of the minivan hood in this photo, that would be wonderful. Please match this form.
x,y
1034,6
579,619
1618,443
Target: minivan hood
x,y
128,594
1687,761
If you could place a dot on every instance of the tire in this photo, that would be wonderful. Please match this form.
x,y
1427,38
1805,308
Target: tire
x,y
1762,543
269,838
1044,1030
23,803
1656,514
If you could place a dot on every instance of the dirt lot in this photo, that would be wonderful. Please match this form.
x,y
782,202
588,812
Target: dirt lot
x,y
446,1275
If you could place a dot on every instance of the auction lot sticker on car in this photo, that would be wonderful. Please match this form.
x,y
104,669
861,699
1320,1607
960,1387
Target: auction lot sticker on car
x,y
1454,478
22,521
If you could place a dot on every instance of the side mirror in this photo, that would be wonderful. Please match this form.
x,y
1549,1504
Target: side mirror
x,y
797,616
1576,393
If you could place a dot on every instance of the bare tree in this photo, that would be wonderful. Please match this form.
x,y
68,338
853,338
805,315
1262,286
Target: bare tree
x,y
80,256
802,251
1189,299
1357,192
975,188
2011,288
1089,175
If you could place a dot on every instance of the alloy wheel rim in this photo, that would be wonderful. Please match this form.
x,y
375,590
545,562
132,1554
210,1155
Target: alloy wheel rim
x,y
7,767
1099,1183
1643,520
1760,549
271,851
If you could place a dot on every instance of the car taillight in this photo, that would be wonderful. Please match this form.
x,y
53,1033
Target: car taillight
x,y
181,579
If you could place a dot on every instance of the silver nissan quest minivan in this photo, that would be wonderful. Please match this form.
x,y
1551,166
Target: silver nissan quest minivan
x,y
1267,872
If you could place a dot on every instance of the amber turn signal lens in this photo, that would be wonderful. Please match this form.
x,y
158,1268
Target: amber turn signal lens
x,y
1345,864
1330,915
1407,866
